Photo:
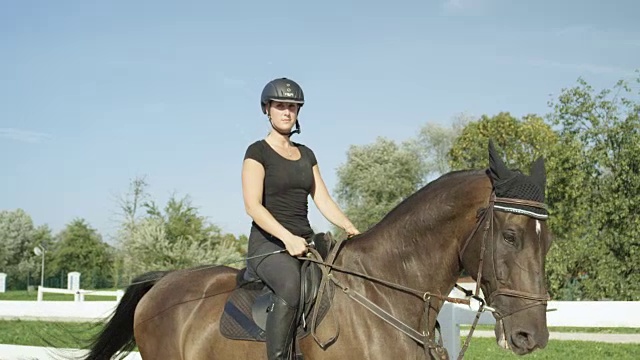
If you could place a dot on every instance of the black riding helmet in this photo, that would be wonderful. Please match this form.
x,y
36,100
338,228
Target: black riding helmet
x,y
283,90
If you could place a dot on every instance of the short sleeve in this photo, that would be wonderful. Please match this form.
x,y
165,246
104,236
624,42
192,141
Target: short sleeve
x,y
312,156
254,151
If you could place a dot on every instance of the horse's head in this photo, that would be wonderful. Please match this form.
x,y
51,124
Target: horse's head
x,y
515,238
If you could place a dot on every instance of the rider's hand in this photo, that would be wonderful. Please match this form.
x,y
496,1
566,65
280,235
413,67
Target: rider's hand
x,y
351,231
295,245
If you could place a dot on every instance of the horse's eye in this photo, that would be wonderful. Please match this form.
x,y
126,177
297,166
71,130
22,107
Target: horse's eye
x,y
509,237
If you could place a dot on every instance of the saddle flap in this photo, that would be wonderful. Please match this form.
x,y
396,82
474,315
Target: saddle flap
x,y
311,275
261,307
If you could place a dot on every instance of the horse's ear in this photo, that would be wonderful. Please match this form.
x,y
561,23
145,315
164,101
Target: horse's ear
x,y
497,167
538,172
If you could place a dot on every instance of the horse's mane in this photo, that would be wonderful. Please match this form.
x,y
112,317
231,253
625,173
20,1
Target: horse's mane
x,y
434,198
420,221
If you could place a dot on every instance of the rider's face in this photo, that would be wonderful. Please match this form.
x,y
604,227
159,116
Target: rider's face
x,y
283,115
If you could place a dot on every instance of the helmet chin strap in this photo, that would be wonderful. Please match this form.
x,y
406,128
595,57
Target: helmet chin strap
x,y
284,133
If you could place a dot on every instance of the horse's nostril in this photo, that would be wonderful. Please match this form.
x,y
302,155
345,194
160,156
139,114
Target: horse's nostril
x,y
524,340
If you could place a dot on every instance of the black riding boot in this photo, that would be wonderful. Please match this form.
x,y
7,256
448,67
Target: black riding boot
x,y
281,328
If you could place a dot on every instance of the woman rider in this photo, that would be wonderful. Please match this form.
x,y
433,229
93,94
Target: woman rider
x,y
278,175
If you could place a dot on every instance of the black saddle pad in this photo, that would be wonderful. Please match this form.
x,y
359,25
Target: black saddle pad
x,y
237,321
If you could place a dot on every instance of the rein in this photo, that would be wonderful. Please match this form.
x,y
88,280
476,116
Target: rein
x,y
424,338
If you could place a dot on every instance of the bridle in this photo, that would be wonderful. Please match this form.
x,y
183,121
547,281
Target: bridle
x,y
487,219
475,301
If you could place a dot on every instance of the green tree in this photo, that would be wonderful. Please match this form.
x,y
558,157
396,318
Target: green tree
x,y
520,140
181,220
16,231
375,178
593,184
238,246
18,237
601,191
79,247
173,237
179,238
131,209
433,143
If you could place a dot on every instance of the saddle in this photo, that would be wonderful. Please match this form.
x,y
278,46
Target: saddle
x,y
246,310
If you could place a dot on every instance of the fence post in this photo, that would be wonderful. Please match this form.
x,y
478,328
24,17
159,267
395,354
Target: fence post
x,y
40,293
73,280
450,329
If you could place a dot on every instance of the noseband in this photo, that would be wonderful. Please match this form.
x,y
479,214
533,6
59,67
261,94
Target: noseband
x,y
487,219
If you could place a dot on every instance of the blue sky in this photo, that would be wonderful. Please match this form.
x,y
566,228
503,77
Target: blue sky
x,y
93,94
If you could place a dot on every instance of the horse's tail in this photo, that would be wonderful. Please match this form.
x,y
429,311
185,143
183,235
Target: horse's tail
x,y
117,334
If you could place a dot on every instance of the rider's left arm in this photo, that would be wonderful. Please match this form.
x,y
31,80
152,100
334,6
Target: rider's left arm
x,y
327,206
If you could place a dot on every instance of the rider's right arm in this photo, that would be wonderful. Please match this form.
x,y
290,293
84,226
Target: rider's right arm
x,y
252,190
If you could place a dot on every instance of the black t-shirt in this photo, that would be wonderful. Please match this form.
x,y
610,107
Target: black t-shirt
x,y
287,185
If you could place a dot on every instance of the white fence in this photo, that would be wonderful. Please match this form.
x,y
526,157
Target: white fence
x,y
56,310
53,311
21,352
566,313
78,295
3,282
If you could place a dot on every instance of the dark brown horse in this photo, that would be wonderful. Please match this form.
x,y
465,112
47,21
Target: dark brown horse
x,y
490,223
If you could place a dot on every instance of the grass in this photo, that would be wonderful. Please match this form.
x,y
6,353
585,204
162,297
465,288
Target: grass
x,y
75,335
464,330
40,333
486,348
24,295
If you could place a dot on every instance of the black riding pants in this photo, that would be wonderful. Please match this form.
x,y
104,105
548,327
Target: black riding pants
x,y
281,272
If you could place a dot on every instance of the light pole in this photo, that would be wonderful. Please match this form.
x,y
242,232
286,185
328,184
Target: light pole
x,y
39,251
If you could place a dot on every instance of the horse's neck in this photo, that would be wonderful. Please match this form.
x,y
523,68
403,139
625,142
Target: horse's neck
x,y
416,247
420,248
427,262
